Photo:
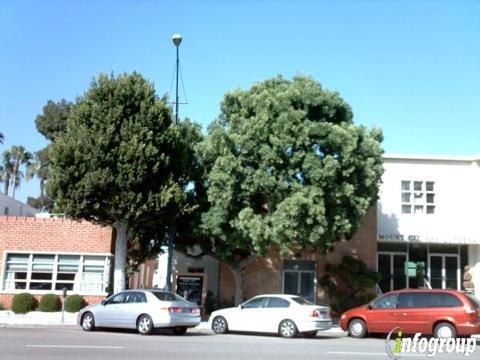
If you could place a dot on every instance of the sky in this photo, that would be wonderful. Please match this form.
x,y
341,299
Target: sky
x,y
411,67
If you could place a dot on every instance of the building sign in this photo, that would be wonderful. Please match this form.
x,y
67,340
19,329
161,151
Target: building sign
x,y
398,237
190,287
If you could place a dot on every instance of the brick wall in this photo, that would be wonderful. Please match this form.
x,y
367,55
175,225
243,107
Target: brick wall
x,y
6,299
57,235
264,275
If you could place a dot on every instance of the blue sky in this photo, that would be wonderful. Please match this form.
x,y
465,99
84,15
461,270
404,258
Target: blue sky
x,y
409,67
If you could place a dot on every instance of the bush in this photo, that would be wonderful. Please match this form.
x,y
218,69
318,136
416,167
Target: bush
x,y
73,303
349,284
23,303
2,307
50,303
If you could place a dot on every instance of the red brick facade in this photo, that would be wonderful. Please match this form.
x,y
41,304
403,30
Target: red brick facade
x,y
56,235
265,275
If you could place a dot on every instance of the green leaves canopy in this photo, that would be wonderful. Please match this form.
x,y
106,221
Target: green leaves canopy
x,y
288,168
120,160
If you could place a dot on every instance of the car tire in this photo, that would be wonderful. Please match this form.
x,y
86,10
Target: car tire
x,y
144,325
287,329
88,322
309,334
357,328
445,330
219,325
179,330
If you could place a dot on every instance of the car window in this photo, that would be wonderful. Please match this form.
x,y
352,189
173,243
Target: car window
x,y
255,303
444,300
167,296
119,298
473,300
275,302
302,301
414,300
136,297
385,302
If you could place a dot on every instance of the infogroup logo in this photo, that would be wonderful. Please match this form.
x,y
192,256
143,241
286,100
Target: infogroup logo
x,y
429,346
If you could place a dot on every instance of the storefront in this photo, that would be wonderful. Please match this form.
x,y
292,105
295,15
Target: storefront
x,y
427,223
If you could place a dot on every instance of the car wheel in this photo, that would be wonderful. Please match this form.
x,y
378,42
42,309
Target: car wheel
x,y
219,325
145,325
179,330
88,321
309,334
287,329
357,328
445,331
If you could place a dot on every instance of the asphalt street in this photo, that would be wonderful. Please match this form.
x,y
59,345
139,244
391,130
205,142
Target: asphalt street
x,y
62,344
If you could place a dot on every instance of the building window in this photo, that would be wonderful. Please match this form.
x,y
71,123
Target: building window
x,y
6,211
82,273
418,197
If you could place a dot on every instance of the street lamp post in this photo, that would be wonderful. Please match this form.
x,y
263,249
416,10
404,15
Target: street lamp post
x,y
177,40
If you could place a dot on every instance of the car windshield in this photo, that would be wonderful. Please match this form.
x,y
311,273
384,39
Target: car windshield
x,y
167,296
302,301
475,302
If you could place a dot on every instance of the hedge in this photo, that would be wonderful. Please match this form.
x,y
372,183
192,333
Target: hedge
x,y
50,303
73,303
23,303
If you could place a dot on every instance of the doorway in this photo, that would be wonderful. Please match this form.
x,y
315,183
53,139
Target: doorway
x,y
444,271
391,265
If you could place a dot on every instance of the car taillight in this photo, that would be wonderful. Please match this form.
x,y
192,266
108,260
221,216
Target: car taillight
x,y
195,311
175,309
315,313
323,314
472,313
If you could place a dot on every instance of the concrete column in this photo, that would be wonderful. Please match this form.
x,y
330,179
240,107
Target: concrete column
x,y
474,262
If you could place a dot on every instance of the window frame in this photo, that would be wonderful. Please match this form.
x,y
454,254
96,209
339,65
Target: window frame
x,y
107,261
418,192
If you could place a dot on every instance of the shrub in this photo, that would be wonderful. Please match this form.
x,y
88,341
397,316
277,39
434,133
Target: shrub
x,y
349,284
2,307
23,303
50,303
73,303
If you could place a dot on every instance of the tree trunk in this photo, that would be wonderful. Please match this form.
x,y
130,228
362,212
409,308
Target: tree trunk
x,y
238,280
120,257
16,168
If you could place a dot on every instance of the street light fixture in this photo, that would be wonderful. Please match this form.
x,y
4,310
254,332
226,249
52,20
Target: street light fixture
x,y
177,40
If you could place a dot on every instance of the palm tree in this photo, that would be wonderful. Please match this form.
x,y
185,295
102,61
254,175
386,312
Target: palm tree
x,y
19,157
6,170
39,168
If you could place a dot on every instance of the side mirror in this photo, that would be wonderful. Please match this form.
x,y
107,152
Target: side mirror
x,y
240,306
103,302
370,306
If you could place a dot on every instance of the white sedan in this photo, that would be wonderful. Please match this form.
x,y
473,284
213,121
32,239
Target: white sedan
x,y
143,310
286,315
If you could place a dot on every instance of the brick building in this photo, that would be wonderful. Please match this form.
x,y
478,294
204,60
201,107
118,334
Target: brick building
x,y
45,255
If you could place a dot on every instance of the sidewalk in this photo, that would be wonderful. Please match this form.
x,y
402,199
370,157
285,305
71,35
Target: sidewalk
x,y
54,319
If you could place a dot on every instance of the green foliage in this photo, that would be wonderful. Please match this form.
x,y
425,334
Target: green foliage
x,y
23,303
121,160
349,284
50,303
74,303
287,168
53,120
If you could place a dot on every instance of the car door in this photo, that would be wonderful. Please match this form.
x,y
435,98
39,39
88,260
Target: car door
x,y
412,312
380,315
108,314
134,306
247,316
276,309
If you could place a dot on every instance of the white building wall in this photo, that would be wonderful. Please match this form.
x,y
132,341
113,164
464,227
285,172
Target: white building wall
x,y
457,199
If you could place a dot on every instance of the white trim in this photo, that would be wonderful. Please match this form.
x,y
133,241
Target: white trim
x,y
466,158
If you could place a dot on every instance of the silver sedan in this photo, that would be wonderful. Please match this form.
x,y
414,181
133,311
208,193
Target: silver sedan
x,y
143,310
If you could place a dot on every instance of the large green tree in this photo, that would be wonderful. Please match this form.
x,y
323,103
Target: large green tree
x,y
53,119
288,169
122,162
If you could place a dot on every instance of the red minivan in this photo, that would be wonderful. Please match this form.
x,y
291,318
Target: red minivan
x,y
443,313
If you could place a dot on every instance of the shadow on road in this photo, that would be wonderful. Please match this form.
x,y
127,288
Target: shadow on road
x,y
156,332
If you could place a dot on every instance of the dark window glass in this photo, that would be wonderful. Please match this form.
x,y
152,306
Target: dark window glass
x,y
444,249
302,301
167,296
386,302
445,300
254,304
60,286
67,277
40,286
118,298
136,297
41,276
413,300
274,302
387,247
